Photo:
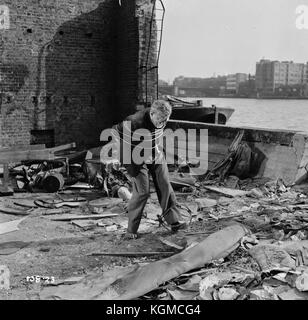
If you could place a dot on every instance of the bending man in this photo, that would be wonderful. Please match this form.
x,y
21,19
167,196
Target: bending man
x,y
153,120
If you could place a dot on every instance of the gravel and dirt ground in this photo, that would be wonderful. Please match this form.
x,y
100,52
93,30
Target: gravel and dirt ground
x,y
58,250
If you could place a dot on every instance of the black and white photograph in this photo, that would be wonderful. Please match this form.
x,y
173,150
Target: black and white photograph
x,y
154,152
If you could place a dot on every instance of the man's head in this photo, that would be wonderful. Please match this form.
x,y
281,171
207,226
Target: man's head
x,y
160,113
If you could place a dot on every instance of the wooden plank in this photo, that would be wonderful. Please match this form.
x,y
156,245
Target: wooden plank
x,y
30,154
63,147
12,211
37,146
26,203
23,148
230,193
131,254
15,156
68,217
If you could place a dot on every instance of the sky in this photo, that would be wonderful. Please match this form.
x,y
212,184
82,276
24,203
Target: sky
x,y
202,38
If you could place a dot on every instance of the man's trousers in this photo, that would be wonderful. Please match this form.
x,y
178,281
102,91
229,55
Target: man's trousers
x,y
141,193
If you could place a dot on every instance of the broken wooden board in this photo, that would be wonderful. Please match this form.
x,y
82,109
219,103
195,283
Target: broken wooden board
x,y
132,254
26,203
227,192
24,148
13,211
10,226
55,211
64,147
68,217
16,154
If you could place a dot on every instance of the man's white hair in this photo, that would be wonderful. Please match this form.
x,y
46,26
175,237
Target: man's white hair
x,y
161,106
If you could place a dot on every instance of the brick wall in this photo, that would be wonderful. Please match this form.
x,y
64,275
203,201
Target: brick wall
x,y
72,66
147,72
136,77
127,60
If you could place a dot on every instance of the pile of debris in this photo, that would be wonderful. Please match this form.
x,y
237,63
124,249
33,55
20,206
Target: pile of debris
x,y
247,238
241,244
54,169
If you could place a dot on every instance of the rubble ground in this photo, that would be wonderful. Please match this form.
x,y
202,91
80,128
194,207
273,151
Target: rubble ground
x,y
59,250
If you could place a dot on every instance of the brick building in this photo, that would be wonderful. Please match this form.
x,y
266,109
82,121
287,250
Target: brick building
x,y
70,68
279,77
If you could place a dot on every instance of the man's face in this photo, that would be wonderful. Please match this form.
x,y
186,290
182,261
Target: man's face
x,y
159,120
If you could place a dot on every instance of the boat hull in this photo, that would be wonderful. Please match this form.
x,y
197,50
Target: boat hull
x,y
202,114
195,111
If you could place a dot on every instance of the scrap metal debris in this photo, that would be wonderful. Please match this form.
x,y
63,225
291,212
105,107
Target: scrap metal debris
x,y
147,278
247,238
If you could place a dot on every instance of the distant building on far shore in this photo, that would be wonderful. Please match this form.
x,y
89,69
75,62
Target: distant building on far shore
x,y
165,88
198,87
281,78
233,82
247,89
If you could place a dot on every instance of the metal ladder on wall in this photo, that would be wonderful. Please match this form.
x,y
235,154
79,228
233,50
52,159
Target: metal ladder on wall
x,y
156,25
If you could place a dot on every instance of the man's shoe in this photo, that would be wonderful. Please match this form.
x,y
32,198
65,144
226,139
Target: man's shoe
x,y
178,226
130,236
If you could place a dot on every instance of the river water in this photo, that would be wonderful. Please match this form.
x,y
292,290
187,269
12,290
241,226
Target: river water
x,y
267,114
